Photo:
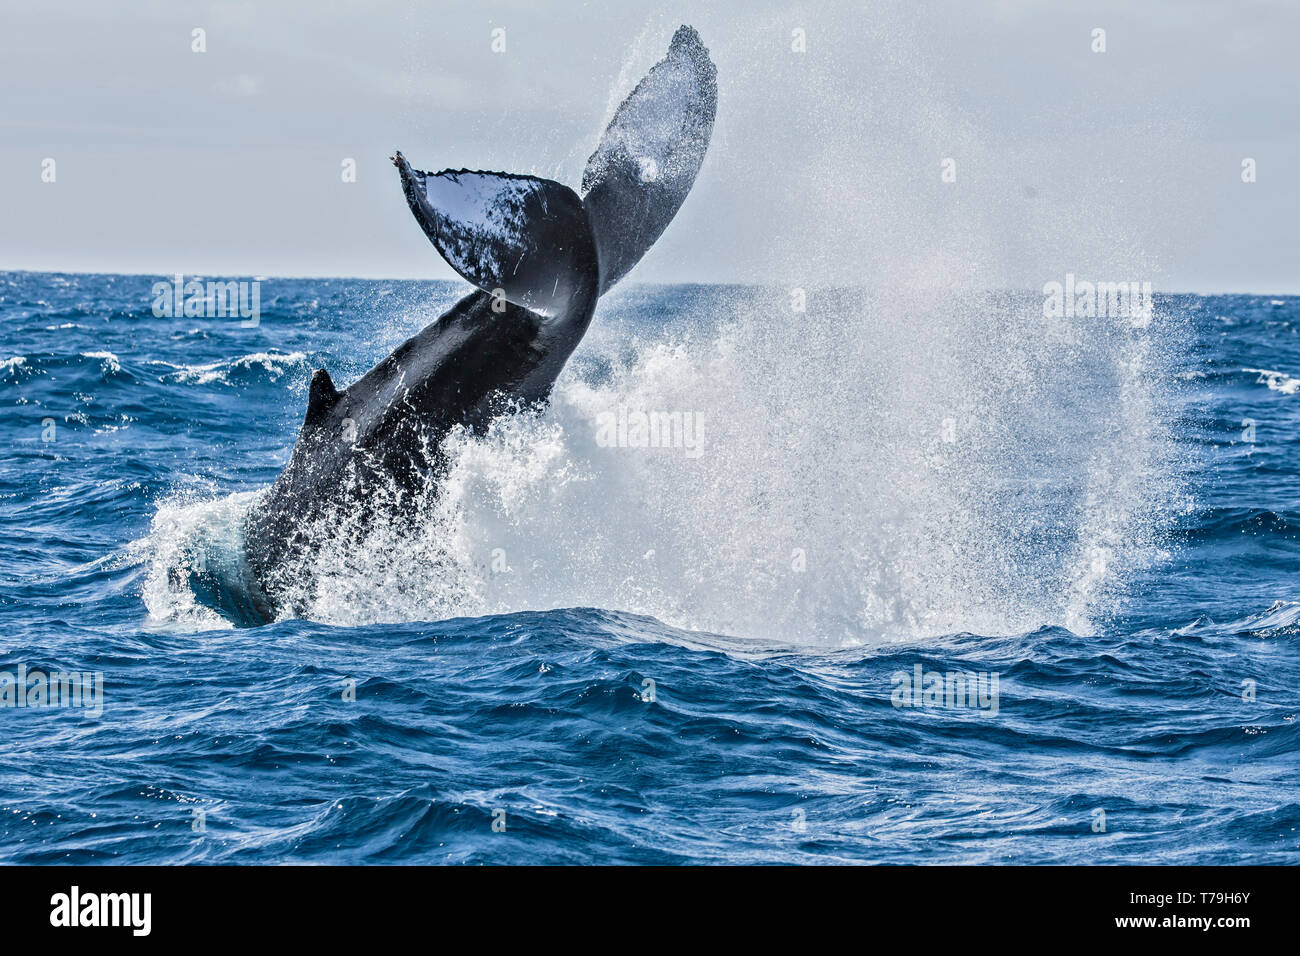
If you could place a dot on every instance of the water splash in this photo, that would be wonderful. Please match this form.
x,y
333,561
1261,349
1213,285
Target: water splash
x,y
879,466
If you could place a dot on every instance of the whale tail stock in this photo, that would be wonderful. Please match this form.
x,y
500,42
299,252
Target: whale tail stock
x,y
538,253
540,256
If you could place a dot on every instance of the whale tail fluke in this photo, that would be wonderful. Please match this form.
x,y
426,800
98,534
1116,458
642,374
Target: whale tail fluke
x,y
649,155
522,238
533,241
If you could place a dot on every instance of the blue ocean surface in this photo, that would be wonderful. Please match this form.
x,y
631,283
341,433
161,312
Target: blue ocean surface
x,y
586,650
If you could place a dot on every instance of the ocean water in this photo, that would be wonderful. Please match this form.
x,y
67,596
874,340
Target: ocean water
x,y
584,651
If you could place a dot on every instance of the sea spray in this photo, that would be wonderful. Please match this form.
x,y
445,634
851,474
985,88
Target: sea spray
x,y
876,467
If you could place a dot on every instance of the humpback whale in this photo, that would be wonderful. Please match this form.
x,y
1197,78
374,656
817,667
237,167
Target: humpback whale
x,y
539,256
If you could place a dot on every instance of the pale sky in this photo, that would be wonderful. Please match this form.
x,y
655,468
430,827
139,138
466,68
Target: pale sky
x,y
825,164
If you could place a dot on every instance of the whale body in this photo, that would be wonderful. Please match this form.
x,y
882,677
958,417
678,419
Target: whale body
x,y
540,255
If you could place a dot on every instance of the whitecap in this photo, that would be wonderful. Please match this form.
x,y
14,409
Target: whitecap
x,y
109,361
1276,381
275,364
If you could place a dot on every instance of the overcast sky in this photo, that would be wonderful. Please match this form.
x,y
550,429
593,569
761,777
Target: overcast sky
x,y
825,164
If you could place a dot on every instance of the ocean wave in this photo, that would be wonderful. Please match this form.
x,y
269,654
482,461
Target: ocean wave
x,y
1281,619
109,362
272,364
1276,381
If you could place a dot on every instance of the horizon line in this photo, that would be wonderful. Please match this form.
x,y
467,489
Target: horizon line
x,y
262,277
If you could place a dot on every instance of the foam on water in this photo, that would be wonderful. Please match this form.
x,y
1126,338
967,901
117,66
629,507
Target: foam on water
x,y
274,363
1276,381
185,531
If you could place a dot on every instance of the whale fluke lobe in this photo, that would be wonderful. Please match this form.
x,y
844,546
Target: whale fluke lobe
x,y
524,236
649,155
